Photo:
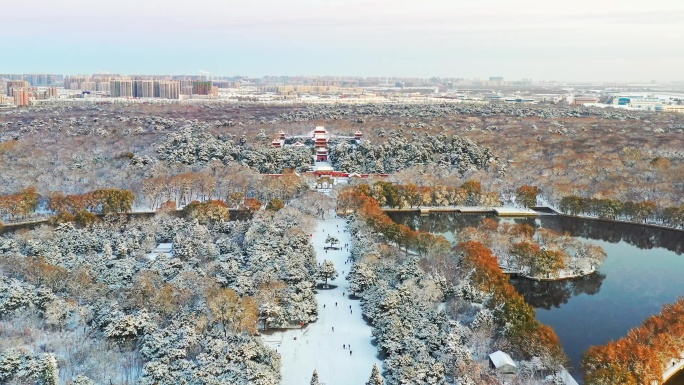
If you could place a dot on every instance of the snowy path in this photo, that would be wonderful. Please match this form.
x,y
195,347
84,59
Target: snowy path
x,y
317,346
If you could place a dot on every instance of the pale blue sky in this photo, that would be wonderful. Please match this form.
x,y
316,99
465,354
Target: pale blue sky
x,y
539,39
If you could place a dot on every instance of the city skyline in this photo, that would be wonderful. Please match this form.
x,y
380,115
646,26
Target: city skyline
x,y
529,39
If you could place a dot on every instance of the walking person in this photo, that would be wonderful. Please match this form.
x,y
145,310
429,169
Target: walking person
x,y
335,304
350,352
343,346
333,328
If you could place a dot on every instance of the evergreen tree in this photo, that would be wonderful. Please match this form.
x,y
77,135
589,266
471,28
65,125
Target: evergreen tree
x,y
327,271
375,377
332,240
314,378
50,371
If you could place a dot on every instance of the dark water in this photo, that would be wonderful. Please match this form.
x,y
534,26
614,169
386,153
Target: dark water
x,y
678,379
644,270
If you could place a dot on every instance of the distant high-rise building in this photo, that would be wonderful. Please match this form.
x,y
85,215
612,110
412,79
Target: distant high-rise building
x,y
186,90
69,81
202,88
12,84
21,97
38,79
121,89
167,89
103,87
143,89
35,79
87,86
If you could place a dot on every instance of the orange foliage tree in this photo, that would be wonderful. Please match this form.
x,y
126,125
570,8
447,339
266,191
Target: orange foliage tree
x,y
642,356
527,195
100,201
22,204
513,313
207,212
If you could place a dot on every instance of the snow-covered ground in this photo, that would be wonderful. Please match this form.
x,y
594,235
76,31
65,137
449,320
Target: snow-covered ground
x,y
316,345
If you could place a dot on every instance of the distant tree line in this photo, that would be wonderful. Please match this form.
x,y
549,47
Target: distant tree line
x,y
641,212
19,205
392,195
24,204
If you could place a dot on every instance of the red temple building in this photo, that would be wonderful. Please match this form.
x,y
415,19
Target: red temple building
x,y
322,154
320,137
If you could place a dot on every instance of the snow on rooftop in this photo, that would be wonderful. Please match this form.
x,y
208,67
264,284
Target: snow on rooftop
x,y
162,248
501,360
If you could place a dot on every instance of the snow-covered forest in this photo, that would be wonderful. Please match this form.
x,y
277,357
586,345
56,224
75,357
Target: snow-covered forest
x,y
399,152
190,146
96,305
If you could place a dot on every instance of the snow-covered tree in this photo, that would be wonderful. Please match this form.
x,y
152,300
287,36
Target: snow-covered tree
x,y
129,326
332,240
375,377
314,378
50,369
327,271
361,277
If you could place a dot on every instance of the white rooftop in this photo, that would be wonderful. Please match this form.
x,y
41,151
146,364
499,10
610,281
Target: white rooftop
x,y
502,360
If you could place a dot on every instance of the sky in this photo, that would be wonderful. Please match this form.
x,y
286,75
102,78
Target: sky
x,y
592,40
